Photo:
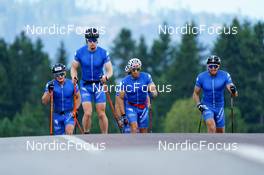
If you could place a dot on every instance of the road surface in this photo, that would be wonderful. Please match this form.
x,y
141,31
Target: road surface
x,y
114,154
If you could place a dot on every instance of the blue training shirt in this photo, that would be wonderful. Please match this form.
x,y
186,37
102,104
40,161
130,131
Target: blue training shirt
x,y
213,87
136,89
63,95
92,62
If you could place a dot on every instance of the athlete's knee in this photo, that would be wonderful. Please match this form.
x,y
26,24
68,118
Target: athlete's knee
x,y
69,129
133,127
101,115
211,126
143,130
87,114
220,130
100,109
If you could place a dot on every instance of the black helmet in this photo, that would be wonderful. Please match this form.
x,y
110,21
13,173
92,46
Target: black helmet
x,y
213,59
91,33
58,68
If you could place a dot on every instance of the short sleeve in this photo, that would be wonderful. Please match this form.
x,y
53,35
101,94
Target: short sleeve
x,y
228,79
46,88
106,57
149,79
198,82
77,56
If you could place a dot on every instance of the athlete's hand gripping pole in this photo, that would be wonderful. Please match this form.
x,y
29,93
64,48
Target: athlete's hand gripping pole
x,y
201,108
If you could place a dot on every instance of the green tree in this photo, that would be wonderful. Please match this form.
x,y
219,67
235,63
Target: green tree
x,y
181,74
242,56
6,128
183,117
161,53
22,64
186,66
62,56
5,97
142,53
31,121
122,51
25,70
239,124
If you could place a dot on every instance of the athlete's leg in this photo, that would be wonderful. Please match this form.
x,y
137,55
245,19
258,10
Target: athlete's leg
x,y
210,123
220,130
143,120
87,116
133,127
69,129
143,130
69,123
58,124
103,121
220,120
100,101
86,96
132,118
208,116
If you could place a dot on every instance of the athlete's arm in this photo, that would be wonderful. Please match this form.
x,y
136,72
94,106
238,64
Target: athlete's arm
x,y
230,91
149,104
121,103
78,100
74,68
152,89
45,98
109,69
196,95
117,105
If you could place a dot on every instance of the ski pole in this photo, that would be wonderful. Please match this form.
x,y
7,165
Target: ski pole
x,y
150,118
51,113
200,124
111,105
232,113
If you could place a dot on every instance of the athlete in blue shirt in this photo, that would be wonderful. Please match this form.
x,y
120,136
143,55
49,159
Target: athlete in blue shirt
x,y
63,93
92,59
136,87
213,83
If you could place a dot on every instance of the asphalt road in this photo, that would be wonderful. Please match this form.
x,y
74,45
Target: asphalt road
x,y
154,154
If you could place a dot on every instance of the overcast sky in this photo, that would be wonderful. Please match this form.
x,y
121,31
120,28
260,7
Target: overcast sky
x,y
252,8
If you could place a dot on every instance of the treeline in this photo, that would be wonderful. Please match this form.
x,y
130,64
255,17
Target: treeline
x,y
25,69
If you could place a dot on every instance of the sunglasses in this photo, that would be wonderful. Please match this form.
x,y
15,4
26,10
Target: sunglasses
x,y
211,66
59,74
92,40
135,69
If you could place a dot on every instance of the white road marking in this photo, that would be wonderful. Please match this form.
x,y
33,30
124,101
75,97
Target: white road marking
x,y
251,152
